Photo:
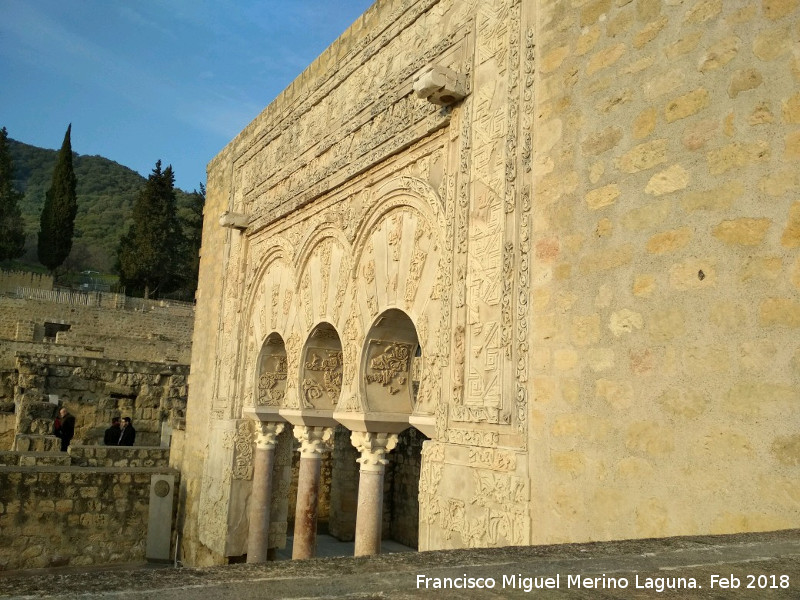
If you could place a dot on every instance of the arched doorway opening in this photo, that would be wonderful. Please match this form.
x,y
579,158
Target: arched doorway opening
x,y
391,367
401,485
319,390
272,456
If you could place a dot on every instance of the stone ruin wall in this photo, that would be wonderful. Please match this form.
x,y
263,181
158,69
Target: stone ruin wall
x,y
157,335
109,362
94,390
89,507
612,351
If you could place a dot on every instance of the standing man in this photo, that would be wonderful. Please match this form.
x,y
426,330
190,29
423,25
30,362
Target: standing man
x,y
111,437
127,434
64,428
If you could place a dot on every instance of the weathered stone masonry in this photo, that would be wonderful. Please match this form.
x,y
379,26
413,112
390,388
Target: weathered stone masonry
x,y
90,507
94,390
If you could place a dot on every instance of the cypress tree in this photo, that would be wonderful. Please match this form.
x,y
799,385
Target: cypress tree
x,y
57,222
192,226
149,258
12,233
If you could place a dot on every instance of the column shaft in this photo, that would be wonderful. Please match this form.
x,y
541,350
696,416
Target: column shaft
x,y
261,496
305,516
258,541
369,520
314,441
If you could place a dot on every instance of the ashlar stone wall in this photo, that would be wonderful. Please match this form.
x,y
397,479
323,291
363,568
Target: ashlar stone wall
x,y
11,280
56,513
153,335
102,360
665,300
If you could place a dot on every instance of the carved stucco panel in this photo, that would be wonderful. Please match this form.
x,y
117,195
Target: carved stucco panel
x,y
262,382
229,463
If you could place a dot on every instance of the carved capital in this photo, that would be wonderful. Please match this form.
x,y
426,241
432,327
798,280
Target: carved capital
x,y
373,448
267,434
314,441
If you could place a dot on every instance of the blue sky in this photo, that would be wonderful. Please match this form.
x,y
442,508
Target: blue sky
x,y
143,80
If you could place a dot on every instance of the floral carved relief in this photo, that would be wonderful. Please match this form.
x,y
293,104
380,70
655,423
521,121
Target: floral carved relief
x,y
389,367
270,390
323,376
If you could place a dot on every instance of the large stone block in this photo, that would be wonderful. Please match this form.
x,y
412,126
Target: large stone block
x,y
746,231
687,105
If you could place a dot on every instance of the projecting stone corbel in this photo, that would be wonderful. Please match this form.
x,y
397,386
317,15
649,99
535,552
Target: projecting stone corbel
x,y
234,220
440,85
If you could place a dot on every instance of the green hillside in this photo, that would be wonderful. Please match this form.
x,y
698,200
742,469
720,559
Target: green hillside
x,y
106,191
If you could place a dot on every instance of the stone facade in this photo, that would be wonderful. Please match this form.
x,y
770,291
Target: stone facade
x,y
580,281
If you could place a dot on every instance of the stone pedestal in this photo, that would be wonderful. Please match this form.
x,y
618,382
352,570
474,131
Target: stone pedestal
x,y
314,441
258,538
373,448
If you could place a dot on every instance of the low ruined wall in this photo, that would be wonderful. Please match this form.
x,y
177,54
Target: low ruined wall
x,y
116,456
157,335
11,280
94,390
54,515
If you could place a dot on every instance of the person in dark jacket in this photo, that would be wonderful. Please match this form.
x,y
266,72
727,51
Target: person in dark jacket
x,y
111,437
127,434
64,428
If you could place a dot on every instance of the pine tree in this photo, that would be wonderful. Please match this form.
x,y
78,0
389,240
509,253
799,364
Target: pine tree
x,y
12,233
149,259
57,222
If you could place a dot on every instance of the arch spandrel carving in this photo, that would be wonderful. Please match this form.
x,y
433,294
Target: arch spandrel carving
x,y
273,280
323,273
394,193
398,265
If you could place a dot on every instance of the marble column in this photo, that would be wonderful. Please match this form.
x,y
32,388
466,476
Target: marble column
x,y
314,442
258,538
369,519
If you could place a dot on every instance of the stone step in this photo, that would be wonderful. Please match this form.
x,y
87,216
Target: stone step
x,y
32,459
36,443
118,456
